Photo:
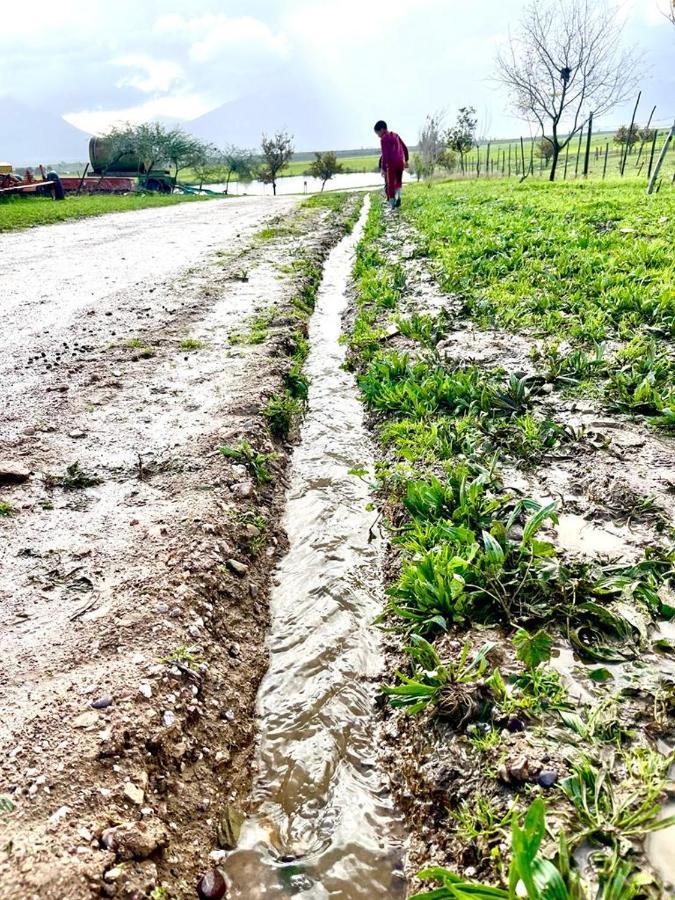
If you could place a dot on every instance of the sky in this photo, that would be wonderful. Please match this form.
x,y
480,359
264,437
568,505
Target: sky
x,y
98,63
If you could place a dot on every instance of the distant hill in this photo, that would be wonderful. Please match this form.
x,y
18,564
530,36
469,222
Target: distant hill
x,y
314,124
31,136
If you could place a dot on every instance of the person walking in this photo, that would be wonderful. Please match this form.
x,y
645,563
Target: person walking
x,y
393,161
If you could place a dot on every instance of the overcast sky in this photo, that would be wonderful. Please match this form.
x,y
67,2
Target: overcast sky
x,y
97,63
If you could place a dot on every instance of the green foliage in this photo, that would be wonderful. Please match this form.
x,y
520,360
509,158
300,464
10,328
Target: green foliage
x,y
620,800
74,479
324,167
430,677
6,509
257,463
281,411
530,875
532,649
190,344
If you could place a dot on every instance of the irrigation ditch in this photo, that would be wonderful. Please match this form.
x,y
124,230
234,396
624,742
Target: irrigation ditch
x,y
388,592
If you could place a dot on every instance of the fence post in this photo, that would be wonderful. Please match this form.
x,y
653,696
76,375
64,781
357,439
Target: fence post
x,y
644,140
651,155
662,156
509,160
522,157
487,160
478,162
567,156
604,168
576,166
588,145
630,135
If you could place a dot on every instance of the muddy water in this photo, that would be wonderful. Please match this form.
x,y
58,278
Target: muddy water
x,y
324,825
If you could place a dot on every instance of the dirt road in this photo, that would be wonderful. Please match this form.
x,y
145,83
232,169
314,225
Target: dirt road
x,y
134,558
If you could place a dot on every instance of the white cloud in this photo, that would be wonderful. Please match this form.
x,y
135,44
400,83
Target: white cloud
x,y
155,74
97,121
212,35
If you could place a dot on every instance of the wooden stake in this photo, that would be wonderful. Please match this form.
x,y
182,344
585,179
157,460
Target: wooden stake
x,y
662,156
630,134
588,145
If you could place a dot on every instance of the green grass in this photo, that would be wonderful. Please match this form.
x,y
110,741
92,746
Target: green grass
x,y
349,164
26,212
589,265
190,344
6,509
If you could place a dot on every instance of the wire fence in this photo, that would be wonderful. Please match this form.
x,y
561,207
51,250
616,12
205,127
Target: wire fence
x,y
650,151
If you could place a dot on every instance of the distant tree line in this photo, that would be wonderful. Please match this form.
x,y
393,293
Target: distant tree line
x,y
153,145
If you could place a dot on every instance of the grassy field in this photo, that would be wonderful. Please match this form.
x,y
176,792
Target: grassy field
x,y
524,394
26,212
349,164
507,155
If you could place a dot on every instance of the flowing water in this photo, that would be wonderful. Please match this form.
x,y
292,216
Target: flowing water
x,y
323,824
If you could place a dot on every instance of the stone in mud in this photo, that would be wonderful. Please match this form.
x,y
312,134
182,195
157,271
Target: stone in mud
x,y
86,719
134,793
102,702
13,473
243,489
228,828
212,885
135,840
239,568
547,779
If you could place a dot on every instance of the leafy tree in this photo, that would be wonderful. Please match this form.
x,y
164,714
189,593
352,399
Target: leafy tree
x,y
210,169
417,166
276,151
544,149
239,164
448,160
151,146
563,62
461,137
324,167
626,135
183,150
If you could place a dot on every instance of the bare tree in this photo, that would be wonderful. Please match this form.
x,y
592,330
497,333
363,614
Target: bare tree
x,y
564,62
430,146
276,151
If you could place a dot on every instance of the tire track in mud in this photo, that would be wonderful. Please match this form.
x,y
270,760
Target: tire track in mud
x,y
135,609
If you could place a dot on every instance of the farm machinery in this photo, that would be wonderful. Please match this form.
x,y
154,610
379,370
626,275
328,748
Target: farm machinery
x,y
105,173
110,173
13,183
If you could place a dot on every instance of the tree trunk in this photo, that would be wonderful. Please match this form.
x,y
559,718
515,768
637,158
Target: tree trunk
x,y
323,185
274,186
554,161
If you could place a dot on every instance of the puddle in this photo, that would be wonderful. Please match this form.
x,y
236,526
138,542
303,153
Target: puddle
x,y
660,846
324,825
575,534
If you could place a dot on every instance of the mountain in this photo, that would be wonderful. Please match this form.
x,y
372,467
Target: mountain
x,y
31,136
314,123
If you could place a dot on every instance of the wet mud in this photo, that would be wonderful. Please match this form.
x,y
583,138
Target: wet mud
x,y
135,557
